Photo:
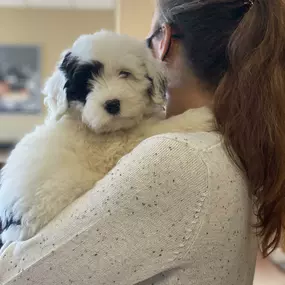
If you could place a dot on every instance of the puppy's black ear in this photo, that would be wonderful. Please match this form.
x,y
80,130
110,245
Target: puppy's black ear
x,y
69,66
78,76
74,89
157,89
157,79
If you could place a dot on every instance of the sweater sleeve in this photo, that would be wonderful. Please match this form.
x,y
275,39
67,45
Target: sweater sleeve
x,y
138,222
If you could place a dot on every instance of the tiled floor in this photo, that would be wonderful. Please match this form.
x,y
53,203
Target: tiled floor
x,y
268,274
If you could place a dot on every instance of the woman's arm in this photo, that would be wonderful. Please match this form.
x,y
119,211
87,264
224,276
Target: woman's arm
x,y
137,222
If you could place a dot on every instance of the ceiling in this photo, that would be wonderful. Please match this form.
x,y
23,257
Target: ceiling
x,y
60,4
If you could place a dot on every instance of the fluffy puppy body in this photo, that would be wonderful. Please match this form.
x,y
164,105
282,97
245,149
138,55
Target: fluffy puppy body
x,y
53,166
105,96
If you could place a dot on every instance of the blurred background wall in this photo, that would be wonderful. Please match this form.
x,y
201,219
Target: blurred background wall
x,y
133,17
53,30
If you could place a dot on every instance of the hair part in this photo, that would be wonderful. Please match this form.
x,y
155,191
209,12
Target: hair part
x,y
238,51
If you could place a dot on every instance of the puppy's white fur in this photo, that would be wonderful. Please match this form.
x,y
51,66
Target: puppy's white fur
x,y
79,143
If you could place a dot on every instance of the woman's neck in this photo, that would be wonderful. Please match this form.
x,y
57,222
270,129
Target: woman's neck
x,y
183,98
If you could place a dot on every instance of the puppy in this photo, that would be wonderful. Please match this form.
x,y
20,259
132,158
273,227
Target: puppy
x,y
105,96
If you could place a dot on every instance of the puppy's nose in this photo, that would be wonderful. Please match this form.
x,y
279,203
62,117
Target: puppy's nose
x,y
113,107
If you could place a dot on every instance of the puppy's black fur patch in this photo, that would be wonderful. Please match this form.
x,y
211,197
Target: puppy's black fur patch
x,y
69,65
11,221
78,74
7,224
151,90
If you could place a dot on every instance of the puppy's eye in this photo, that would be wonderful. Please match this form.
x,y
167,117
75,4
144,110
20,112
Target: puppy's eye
x,y
124,74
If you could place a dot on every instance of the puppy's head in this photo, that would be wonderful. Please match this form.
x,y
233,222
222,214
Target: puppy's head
x,y
112,80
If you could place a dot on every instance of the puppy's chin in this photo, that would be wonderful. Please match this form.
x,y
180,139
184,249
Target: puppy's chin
x,y
112,124
99,121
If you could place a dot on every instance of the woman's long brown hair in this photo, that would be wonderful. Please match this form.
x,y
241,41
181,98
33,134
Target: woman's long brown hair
x,y
243,61
250,112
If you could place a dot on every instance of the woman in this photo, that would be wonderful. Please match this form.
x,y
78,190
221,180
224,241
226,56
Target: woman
x,y
180,208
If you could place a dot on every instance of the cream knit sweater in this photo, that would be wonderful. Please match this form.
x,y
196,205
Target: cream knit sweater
x,y
174,211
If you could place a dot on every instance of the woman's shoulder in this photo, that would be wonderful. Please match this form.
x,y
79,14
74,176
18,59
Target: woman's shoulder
x,y
194,142
204,149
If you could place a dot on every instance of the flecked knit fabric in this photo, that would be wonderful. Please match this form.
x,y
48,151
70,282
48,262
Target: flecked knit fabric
x,y
176,210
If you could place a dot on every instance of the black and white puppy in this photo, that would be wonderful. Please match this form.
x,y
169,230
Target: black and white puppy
x,y
102,99
111,79
105,97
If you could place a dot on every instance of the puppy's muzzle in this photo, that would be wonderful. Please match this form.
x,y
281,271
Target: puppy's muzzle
x,y
113,107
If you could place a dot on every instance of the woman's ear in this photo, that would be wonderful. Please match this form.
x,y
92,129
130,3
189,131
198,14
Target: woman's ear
x,y
165,43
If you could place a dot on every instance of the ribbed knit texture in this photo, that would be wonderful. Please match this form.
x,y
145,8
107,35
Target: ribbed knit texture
x,y
176,210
